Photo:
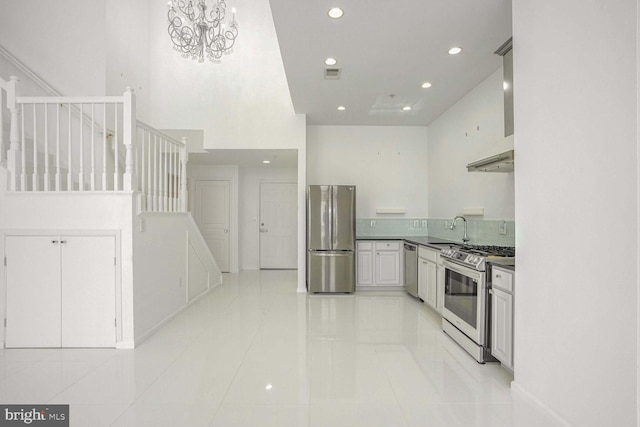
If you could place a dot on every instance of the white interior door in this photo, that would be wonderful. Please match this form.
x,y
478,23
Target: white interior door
x,y
88,291
212,216
33,291
278,225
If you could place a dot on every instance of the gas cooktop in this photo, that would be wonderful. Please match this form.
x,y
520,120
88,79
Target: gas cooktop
x,y
476,256
489,250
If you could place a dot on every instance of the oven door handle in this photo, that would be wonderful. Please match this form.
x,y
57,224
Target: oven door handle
x,y
475,275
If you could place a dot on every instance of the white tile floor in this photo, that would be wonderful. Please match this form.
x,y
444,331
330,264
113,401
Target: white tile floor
x,y
253,352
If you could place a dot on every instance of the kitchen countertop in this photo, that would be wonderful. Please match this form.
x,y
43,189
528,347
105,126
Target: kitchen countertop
x,y
511,267
418,240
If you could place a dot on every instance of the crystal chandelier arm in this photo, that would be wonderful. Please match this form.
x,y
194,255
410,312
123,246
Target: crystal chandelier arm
x,y
185,8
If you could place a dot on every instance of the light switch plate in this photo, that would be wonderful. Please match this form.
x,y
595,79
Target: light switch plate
x,y
416,223
502,229
424,223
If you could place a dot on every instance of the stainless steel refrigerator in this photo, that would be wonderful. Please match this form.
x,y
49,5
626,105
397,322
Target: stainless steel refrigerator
x,y
331,233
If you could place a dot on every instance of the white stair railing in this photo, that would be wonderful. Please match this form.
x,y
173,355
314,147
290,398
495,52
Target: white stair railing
x,y
162,170
90,144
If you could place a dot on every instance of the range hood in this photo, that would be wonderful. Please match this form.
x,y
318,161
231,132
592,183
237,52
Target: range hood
x,y
502,162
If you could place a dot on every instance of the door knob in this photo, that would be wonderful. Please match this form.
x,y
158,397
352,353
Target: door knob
x,y
226,231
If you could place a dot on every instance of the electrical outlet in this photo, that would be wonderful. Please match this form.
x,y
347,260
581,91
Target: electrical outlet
x,y
502,228
446,224
416,223
372,224
424,223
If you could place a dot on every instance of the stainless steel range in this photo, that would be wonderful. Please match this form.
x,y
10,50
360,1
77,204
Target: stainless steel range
x,y
466,312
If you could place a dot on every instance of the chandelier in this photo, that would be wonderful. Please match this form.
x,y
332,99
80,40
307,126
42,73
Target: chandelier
x,y
197,33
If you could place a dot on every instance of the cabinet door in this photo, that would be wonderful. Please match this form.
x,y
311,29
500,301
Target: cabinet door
x,y
432,285
440,288
33,291
502,327
365,268
388,268
422,279
88,291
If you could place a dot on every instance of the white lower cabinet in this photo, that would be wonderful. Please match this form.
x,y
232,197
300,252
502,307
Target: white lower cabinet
x,y
428,276
60,291
379,263
502,285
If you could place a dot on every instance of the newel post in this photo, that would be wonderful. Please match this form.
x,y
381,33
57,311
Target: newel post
x,y
13,154
184,158
129,140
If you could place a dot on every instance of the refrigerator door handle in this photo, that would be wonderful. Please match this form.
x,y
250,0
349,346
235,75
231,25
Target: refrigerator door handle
x,y
334,218
336,254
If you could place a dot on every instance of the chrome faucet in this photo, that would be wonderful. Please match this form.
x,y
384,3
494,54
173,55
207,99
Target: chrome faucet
x,y
465,239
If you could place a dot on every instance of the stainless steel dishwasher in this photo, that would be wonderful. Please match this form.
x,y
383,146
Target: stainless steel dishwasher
x,y
411,269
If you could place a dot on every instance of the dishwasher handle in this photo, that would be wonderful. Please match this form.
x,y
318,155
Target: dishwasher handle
x,y
409,247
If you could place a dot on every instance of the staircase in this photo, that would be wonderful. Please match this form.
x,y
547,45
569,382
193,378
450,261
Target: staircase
x,y
86,165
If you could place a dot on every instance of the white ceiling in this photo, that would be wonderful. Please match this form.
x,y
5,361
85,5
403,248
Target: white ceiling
x,y
387,48
247,158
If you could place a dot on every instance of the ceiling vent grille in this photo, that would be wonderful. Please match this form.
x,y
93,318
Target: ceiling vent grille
x,y
332,73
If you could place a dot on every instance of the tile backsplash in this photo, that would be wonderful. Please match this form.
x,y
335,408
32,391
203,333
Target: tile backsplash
x,y
384,227
479,231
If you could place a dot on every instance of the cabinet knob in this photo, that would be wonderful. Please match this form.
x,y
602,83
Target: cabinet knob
x,y
499,276
54,241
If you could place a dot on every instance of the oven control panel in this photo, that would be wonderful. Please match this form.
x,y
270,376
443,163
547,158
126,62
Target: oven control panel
x,y
470,260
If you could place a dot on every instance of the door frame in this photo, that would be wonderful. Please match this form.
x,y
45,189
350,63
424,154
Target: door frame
x,y
273,181
116,234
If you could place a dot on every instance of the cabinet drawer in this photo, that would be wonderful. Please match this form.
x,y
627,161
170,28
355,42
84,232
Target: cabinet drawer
x,y
365,246
387,246
426,253
502,279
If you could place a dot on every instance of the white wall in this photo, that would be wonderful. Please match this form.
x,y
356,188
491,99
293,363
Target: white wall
x,y
470,130
163,250
127,51
576,312
250,179
387,164
82,48
62,41
243,102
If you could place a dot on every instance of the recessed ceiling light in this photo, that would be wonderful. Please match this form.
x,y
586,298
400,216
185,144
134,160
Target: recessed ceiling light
x,y
406,108
425,85
266,162
342,108
455,50
330,61
335,13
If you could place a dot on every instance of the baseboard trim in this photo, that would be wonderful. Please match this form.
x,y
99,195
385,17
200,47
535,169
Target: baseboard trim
x,y
536,403
125,345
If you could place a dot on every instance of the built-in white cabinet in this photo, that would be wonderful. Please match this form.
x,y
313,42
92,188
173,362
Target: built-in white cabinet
x,y
379,263
502,287
364,263
428,275
61,291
